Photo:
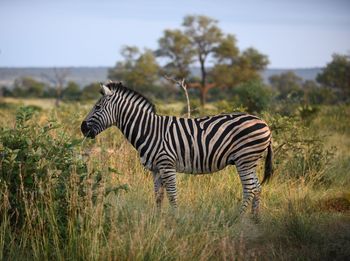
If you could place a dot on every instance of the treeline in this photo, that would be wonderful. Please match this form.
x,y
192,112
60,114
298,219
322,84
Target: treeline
x,y
28,87
225,73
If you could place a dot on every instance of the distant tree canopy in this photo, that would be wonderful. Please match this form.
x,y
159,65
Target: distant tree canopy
x,y
253,95
294,89
71,92
138,70
200,41
91,91
336,74
28,87
288,85
176,47
233,67
224,70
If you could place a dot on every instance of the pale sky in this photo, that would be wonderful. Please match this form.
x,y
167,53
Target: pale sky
x,y
293,33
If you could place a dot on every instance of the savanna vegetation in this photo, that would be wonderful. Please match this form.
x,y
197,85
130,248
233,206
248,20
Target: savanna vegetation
x,y
210,61
63,197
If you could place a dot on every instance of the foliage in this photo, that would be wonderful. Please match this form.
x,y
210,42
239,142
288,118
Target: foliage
x,y
91,91
255,96
299,153
205,36
233,69
176,46
71,92
337,74
108,226
28,87
138,70
289,86
37,164
200,41
316,95
307,113
31,158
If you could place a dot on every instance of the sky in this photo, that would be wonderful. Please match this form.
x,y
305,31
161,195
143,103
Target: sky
x,y
294,34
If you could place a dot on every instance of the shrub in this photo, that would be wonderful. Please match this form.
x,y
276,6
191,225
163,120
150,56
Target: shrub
x,y
31,157
307,113
37,163
255,96
299,153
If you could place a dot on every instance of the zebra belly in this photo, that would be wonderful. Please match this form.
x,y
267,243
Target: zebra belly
x,y
193,169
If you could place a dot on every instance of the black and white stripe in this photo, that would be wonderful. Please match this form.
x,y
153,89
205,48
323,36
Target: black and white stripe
x,y
167,144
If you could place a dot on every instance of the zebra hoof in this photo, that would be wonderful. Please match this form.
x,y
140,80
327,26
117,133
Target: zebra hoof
x,y
256,218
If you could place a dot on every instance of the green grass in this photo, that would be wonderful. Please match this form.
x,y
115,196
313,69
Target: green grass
x,y
304,217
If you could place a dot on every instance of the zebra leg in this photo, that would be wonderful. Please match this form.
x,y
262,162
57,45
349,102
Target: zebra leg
x,y
251,189
158,189
256,200
169,181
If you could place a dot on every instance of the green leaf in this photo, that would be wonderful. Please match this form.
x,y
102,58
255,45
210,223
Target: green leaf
x,y
28,180
114,171
73,143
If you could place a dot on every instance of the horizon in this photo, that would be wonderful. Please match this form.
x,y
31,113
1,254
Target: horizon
x,y
90,34
106,66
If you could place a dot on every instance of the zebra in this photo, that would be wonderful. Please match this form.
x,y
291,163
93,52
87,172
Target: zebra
x,y
169,144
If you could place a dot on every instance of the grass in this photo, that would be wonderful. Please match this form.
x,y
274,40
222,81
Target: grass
x,y
304,217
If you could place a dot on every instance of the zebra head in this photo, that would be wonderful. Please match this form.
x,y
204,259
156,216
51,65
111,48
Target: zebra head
x,y
100,117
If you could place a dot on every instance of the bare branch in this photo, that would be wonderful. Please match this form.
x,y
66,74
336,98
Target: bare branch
x,y
58,79
183,85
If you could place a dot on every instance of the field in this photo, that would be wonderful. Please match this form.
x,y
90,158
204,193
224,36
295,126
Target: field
x,y
68,198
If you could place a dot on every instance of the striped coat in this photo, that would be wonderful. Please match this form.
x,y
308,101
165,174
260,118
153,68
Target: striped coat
x,y
168,144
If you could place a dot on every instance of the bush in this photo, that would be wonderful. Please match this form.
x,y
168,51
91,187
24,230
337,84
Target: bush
x,y
28,87
31,157
255,96
36,164
307,113
71,92
298,153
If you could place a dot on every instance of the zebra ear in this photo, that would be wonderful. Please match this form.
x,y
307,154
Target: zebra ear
x,y
105,90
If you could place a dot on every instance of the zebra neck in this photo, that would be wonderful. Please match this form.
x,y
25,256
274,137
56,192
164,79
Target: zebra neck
x,y
137,125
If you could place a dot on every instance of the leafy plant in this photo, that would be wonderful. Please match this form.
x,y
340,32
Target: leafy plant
x,y
37,162
254,96
299,153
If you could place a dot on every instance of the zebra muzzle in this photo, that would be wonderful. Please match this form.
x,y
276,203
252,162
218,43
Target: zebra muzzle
x,y
87,131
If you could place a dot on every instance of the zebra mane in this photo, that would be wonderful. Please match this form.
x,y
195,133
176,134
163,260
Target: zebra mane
x,y
118,86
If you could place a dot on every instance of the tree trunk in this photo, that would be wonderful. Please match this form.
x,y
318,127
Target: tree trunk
x,y
58,95
204,92
203,89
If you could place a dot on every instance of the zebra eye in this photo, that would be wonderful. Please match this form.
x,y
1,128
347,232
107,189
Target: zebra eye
x,y
97,107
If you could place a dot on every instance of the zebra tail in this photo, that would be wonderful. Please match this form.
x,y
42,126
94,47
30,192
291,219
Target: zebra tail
x,y
268,164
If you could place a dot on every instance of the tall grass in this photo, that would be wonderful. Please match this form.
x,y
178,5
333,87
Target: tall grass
x,y
108,211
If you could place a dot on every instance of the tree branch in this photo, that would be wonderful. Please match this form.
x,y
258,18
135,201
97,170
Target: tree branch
x,y
184,87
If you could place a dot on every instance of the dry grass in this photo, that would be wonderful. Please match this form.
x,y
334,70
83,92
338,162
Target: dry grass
x,y
300,220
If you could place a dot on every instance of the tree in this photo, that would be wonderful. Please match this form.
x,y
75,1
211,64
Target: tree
x,y
205,36
316,94
58,79
336,74
203,41
253,95
138,70
91,91
28,87
71,92
256,61
288,84
226,56
176,46
233,67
